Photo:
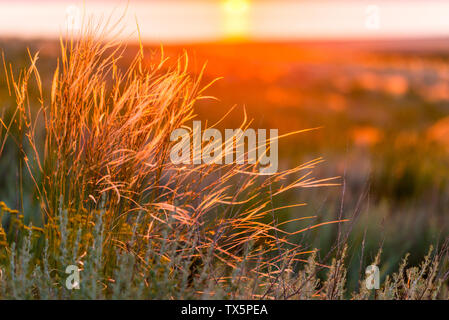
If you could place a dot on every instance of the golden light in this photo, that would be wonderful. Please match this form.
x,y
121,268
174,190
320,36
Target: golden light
x,y
236,20
236,6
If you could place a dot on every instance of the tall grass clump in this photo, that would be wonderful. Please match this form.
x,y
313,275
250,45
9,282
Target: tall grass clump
x,y
104,156
111,202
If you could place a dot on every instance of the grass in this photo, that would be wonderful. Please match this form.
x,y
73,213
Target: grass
x,y
109,201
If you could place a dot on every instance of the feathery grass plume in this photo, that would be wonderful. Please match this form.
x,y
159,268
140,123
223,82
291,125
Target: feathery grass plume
x,y
106,149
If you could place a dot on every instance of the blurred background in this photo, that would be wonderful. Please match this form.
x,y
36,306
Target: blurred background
x,y
373,75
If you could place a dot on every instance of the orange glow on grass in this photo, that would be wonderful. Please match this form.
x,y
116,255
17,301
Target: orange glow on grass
x,y
365,136
439,132
396,85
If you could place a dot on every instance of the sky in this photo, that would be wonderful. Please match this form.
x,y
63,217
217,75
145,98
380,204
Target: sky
x,y
215,20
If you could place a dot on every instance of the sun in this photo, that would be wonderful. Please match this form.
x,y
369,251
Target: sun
x,y
236,18
236,6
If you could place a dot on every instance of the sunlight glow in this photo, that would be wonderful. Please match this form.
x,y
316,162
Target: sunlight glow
x,y
236,6
181,21
236,19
